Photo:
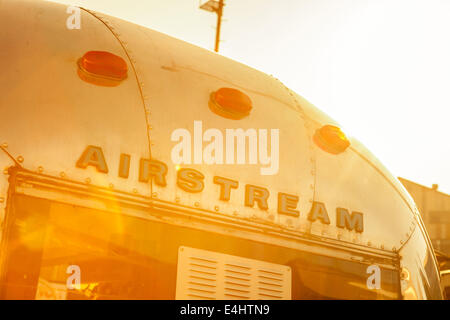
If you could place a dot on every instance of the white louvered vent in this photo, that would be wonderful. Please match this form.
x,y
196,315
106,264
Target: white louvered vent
x,y
206,275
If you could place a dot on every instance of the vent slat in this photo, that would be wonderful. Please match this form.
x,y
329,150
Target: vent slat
x,y
237,290
202,290
200,297
203,259
273,279
196,265
271,273
271,284
201,278
245,285
271,290
202,284
237,278
234,296
238,272
270,296
243,268
202,272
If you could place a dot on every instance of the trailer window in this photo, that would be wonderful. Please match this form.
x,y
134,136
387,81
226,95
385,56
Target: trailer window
x,y
121,256
48,237
318,277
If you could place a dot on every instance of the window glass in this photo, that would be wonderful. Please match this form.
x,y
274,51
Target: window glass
x,y
320,277
124,257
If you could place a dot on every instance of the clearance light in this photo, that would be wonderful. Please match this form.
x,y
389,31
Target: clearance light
x,y
331,139
102,68
230,103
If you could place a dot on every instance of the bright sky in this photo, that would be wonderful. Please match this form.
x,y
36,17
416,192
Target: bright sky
x,y
379,67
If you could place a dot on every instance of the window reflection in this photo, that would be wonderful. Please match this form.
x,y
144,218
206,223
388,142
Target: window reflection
x,y
125,257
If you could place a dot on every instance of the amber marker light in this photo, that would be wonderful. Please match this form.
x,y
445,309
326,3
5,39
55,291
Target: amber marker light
x,y
102,68
230,103
331,139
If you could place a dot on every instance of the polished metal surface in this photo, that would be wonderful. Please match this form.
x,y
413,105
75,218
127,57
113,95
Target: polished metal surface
x,y
50,116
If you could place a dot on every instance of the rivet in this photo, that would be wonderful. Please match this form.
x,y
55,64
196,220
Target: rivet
x,y
404,274
177,199
111,186
271,217
20,159
154,194
88,180
135,190
62,174
150,127
5,171
216,208
394,249
235,213
197,204
4,145
152,143
2,199
369,243
382,246
40,169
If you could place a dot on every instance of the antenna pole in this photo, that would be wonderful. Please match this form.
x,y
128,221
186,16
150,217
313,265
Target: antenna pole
x,y
219,23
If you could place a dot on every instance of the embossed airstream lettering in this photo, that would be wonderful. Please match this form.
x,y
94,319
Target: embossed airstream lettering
x,y
319,212
353,221
150,168
93,156
193,181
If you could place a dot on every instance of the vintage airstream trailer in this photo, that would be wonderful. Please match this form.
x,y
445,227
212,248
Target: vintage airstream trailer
x,y
122,179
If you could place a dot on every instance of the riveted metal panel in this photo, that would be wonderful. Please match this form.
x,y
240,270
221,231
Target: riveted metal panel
x,y
348,181
49,115
177,80
357,181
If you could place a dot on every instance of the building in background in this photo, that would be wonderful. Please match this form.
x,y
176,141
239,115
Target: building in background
x,y
434,207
